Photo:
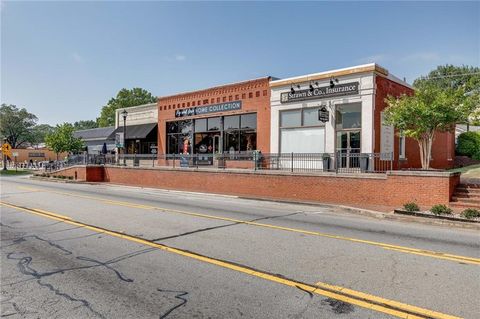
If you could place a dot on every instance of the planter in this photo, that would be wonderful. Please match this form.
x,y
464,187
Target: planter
x,y
444,217
326,164
363,163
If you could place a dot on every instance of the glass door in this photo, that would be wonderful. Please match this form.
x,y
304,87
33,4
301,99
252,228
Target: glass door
x,y
348,146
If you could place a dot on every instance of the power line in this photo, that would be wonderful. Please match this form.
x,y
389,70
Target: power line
x,y
447,76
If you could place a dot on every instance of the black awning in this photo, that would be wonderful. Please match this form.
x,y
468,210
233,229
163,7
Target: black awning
x,y
135,131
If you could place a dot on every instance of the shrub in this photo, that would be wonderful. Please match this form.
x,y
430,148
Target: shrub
x,y
468,144
62,177
70,177
411,207
441,210
471,213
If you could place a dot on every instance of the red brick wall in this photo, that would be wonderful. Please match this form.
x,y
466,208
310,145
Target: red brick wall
x,y
80,171
255,97
443,148
387,190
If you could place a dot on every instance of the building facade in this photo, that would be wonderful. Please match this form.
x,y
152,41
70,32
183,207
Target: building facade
x,y
232,118
340,112
140,127
95,138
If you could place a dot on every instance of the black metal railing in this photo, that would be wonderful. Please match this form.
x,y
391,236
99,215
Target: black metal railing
x,y
340,162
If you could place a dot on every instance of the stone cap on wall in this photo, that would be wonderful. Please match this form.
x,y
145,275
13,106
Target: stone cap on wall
x,y
423,173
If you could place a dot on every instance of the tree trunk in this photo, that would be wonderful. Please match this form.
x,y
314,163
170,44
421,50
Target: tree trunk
x,y
425,145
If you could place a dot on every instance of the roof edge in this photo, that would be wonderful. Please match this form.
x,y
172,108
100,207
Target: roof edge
x,y
160,98
364,68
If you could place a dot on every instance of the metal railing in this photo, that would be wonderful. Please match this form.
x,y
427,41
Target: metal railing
x,y
340,162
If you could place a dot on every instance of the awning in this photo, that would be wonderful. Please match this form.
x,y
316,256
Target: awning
x,y
135,131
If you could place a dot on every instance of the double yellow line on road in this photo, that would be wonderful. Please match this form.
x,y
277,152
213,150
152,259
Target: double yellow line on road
x,y
374,303
403,249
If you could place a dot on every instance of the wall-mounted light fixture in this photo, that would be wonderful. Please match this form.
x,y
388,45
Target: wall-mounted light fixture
x,y
332,82
311,85
292,90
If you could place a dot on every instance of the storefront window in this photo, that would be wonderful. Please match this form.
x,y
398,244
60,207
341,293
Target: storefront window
x,y
348,116
179,137
301,131
239,135
248,141
214,124
201,125
291,118
310,117
231,122
249,121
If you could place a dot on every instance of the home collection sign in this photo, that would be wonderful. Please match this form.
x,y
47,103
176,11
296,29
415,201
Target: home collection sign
x,y
200,110
321,92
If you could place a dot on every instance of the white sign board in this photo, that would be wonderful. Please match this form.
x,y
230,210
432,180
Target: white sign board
x,y
119,140
387,134
15,154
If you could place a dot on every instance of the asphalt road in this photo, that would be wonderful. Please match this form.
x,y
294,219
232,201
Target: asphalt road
x,y
104,251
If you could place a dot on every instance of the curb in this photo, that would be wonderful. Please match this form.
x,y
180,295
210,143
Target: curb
x,y
353,210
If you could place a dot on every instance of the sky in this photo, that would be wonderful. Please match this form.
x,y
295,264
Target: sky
x,y
64,60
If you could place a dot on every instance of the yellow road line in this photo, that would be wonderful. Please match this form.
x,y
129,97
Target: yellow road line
x,y
403,249
391,307
50,213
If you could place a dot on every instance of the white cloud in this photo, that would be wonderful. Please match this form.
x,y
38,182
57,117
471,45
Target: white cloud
x,y
180,57
77,58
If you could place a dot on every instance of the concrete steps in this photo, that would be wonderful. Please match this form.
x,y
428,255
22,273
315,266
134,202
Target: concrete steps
x,y
466,196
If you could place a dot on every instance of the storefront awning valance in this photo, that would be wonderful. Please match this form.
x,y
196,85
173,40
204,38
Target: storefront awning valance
x,y
135,131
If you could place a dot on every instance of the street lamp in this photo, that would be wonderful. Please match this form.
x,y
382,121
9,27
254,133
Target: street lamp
x,y
124,115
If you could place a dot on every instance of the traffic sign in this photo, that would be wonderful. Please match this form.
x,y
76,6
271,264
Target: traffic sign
x,y
7,149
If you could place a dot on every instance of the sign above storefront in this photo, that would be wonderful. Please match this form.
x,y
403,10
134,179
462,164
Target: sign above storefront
x,y
200,110
320,93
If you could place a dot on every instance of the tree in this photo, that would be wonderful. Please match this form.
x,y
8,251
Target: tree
x,y
16,124
85,125
62,139
124,98
420,116
465,79
39,132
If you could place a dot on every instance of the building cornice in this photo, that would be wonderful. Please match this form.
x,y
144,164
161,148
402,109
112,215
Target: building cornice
x,y
365,68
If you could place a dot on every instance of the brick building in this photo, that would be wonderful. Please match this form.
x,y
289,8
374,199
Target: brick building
x,y
341,112
233,118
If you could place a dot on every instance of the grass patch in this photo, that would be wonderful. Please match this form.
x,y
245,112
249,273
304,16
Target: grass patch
x,y
10,172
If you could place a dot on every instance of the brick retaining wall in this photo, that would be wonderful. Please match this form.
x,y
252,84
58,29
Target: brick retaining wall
x,y
392,189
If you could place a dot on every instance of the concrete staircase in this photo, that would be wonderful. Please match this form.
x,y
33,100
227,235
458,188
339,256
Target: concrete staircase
x,y
466,196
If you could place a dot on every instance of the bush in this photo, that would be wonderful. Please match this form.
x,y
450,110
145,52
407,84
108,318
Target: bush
x,y
411,207
471,213
70,177
441,210
468,144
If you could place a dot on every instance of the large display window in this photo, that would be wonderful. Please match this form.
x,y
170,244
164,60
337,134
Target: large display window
x,y
301,131
228,134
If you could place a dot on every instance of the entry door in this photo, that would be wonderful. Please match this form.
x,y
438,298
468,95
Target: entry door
x,y
348,145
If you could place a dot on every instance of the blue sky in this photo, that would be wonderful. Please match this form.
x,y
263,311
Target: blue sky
x,y
64,60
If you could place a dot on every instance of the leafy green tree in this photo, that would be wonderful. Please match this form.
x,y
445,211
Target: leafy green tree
x,y
420,116
124,98
39,132
16,125
85,125
465,79
62,139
